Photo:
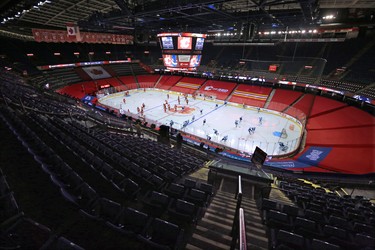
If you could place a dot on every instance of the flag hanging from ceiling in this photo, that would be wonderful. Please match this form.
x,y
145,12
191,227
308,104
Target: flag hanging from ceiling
x,y
73,31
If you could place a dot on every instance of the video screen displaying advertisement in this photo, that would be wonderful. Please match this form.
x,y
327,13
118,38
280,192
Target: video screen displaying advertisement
x,y
195,61
184,60
167,42
170,60
199,44
184,42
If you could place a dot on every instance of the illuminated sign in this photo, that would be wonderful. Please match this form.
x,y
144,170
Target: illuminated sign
x,y
195,61
199,44
170,60
272,68
182,34
167,42
184,42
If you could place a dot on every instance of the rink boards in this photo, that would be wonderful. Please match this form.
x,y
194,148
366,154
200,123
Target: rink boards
x,y
217,114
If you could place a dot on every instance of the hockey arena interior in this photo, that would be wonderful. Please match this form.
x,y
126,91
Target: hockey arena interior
x,y
239,124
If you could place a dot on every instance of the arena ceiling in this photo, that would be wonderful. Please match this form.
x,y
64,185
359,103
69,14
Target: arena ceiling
x,y
152,16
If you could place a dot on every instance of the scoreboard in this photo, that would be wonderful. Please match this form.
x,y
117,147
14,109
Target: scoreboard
x,y
181,51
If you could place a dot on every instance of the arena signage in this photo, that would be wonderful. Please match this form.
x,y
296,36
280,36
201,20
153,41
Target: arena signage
x,y
211,88
61,36
314,155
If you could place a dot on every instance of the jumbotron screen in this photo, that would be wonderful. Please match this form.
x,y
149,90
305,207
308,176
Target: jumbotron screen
x,y
181,51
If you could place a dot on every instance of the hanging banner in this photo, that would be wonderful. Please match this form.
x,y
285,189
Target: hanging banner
x,y
72,34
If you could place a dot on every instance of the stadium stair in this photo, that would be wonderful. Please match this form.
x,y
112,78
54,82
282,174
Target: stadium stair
x,y
135,77
277,194
214,229
269,98
293,103
231,94
157,82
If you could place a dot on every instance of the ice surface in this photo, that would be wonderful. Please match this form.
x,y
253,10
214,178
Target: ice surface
x,y
219,116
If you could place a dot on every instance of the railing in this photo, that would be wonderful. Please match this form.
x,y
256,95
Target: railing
x,y
242,231
238,232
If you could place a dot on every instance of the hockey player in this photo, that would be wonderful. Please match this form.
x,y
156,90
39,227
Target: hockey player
x,y
225,138
260,120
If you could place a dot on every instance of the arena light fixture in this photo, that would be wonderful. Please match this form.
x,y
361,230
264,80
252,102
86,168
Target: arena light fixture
x,y
329,17
18,14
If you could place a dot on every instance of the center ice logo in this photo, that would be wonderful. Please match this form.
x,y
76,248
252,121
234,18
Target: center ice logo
x,y
314,155
216,89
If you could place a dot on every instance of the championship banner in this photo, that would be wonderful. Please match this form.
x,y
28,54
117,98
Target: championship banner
x,y
72,34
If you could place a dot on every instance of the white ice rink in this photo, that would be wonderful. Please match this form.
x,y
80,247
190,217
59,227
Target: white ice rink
x,y
218,116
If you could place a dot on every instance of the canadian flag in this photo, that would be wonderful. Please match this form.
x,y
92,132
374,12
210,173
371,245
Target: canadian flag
x,y
73,31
